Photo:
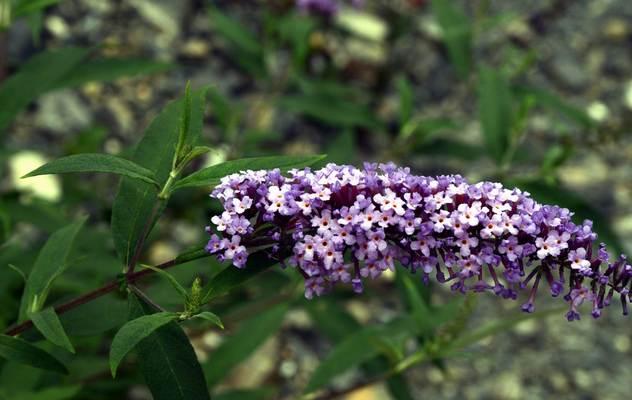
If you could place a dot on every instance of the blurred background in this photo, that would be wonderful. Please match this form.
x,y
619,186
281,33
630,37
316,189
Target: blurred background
x,y
534,94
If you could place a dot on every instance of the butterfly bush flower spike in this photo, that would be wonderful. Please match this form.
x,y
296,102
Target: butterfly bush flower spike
x,y
345,225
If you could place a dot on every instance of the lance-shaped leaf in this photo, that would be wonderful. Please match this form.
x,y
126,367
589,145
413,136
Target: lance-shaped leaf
x,y
50,393
168,362
495,112
133,332
354,350
24,7
95,163
109,69
241,344
18,350
172,280
494,327
337,324
49,325
358,347
457,34
232,277
212,318
134,205
50,263
34,78
211,176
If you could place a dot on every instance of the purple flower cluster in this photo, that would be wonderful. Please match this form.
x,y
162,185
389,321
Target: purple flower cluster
x,y
341,224
323,7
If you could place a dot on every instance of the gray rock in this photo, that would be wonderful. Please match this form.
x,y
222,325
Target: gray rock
x,y
63,112
569,71
166,15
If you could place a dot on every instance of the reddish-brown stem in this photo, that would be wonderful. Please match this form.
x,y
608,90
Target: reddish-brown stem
x,y
105,289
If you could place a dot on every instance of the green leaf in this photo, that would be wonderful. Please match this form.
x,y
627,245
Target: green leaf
x,y
109,69
232,277
331,110
426,128
241,344
133,332
133,205
405,100
18,350
48,323
212,318
52,393
553,102
24,7
18,271
112,312
495,327
172,280
247,394
419,310
353,350
212,175
50,263
398,387
235,33
342,149
457,34
168,362
35,77
185,122
245,47
95,163
495,112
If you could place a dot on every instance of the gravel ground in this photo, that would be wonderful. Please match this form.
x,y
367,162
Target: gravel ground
x,y
583,53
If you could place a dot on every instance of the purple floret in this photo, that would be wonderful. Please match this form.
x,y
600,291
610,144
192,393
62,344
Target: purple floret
x,y
344,225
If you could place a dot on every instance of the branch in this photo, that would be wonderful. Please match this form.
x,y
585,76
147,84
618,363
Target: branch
x,y
110,287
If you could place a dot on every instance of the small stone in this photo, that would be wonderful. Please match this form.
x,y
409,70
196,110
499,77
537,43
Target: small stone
x,y
47,187
627,96
569,71
196,48
57,26
622,343
161,252
598,111
583,378
616,29
165,15
121,113
112,146
362,24
63,112
558,381
509,386
527,328
288,369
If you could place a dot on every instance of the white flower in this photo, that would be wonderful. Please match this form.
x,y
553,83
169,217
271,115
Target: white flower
x,y
240,206
305,204
424,244
368,217
578,259
468,215
441,221
465,243
324,222
223,221
233,247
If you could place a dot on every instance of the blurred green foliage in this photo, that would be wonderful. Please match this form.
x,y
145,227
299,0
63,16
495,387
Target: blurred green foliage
x,y
279,52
